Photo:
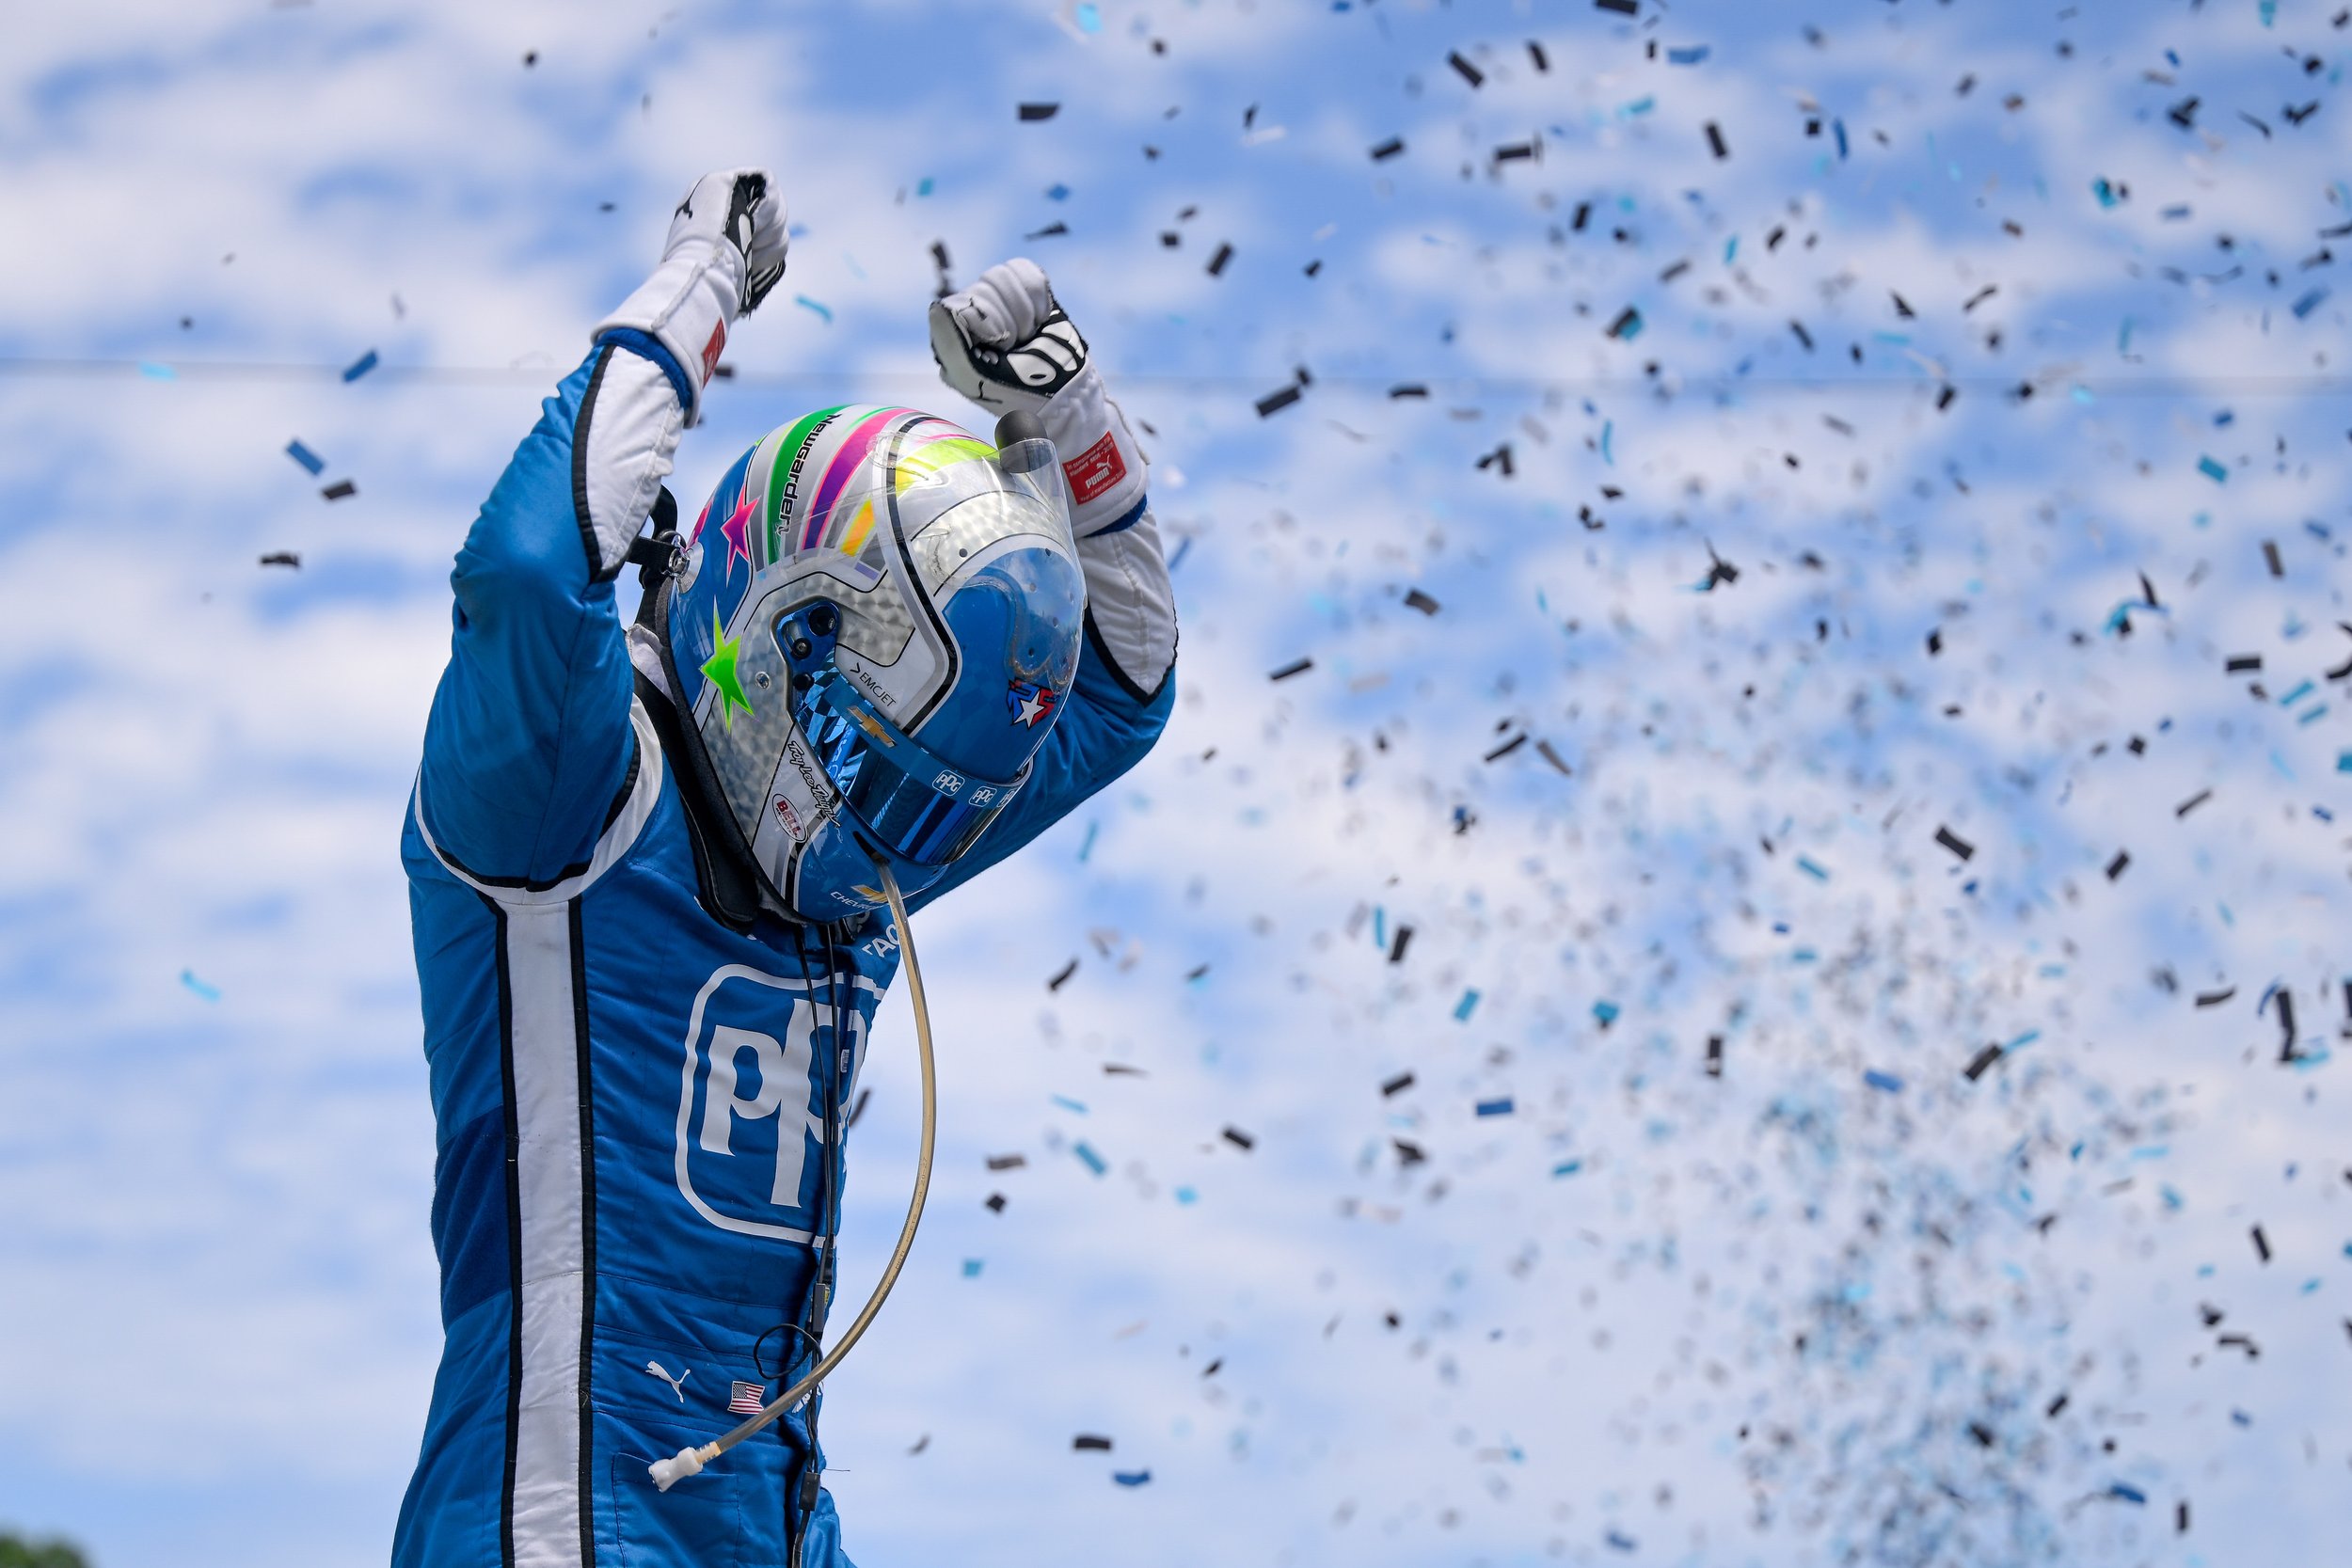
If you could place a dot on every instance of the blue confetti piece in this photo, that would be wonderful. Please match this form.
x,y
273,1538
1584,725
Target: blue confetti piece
x,y
972,1268
1639,106
360,366
209,994
1887,1080
824,312
2106,194
1499,1107
1184,549
1839,127
2344,761
2213,470
1057,192
1621,1541
2309,303
1087,848
1688,55
923,186
154,372
305,456
2129,1493
1606,1012
1092,1160
1466,1006
1569,1167
1069,1105
1805,863
1130,1478
1186,1194
1608,428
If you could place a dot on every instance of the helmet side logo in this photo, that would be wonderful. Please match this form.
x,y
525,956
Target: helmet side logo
x,y
1030,703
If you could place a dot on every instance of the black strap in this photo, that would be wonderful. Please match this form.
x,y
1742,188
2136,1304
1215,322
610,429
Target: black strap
x,y
659,554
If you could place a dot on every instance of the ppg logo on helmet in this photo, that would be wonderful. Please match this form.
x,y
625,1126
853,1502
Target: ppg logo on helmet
x,y
749,1127
948,783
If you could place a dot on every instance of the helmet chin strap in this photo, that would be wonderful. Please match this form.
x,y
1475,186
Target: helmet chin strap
x,y
690,1461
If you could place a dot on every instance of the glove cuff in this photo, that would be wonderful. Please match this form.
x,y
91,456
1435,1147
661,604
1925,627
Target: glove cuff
x,y
686,307
1102,469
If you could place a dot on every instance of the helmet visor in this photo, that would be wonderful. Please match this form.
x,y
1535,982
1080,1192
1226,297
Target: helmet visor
x,y
904,799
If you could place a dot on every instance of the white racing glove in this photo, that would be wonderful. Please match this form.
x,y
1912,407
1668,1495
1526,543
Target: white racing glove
x,y
724,252
1005,344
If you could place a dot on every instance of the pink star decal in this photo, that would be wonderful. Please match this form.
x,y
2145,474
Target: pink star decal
x,y
736,530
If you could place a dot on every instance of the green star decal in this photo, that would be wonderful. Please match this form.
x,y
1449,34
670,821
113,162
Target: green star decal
x,y
720,669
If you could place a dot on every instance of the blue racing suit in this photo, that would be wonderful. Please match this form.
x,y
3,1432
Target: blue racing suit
x,y
632,1096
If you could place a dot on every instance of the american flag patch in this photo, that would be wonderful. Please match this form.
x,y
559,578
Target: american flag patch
x,y
748,1399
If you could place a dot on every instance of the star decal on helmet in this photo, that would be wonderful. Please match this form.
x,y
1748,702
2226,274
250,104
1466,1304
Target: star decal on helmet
x,y
1030,702
720,671
736,530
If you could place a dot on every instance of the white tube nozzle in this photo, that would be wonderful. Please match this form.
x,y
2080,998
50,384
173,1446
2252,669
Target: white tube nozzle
x,y
689,1461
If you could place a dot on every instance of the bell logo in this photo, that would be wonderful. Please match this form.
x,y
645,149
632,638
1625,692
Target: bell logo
x,y
749,1127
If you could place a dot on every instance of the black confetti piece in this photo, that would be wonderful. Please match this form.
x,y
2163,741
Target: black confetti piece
x,y
1471,73
1975,1069
1033,112
339,490
1240,1139
1715,140
1087,1442
1388,149
1216,262
282,557
1297,667
1416,599
1062,978
1397,944
1275,402
1953,842
1396,1085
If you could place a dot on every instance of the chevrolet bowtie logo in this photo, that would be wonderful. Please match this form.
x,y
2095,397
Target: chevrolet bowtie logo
x,y
871,725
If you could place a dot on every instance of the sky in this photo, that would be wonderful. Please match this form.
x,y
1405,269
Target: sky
x,y
1818,534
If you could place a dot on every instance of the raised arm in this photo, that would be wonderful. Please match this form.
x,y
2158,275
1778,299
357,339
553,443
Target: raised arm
x,y
1006,344
529,742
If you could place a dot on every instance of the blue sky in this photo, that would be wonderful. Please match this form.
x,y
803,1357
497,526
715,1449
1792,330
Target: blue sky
x,y
1820,1305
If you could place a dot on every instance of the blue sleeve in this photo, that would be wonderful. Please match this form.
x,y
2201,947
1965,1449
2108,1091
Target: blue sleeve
x,y
530,744
1105,730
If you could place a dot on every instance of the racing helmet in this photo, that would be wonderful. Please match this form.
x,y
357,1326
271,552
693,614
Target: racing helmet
x,y
869,631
